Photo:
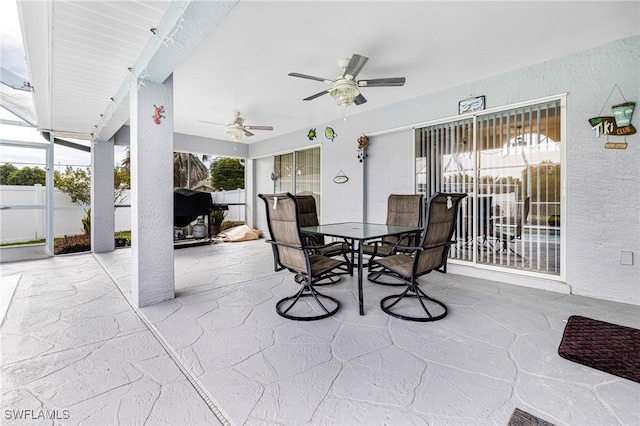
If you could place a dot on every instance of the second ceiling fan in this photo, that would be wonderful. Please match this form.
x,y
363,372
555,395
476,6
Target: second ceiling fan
x,y
237,128
345,89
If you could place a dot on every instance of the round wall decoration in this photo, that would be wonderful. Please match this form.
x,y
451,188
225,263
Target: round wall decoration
x,y
340,177
329,133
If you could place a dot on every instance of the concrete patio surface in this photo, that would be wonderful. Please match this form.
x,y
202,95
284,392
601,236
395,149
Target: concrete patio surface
x,y
75,349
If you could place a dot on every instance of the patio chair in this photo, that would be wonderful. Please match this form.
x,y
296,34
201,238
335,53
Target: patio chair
x,y
308,216
509,229
412,262
403,210
308,266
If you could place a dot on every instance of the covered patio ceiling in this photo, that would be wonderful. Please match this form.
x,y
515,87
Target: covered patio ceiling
x,y
79,52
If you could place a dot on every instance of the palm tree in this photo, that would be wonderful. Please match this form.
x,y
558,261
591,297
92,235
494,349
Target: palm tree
x,y
188,169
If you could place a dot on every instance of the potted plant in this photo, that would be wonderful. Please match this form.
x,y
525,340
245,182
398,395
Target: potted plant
x,y
216,218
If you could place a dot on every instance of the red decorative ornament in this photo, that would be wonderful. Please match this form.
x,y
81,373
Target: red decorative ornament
x,y
158,114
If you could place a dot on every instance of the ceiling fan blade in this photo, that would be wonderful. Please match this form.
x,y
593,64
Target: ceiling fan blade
x,y
316,95
246,132
310,77
355,65
239,120
382,82
359,100
258,127
211,122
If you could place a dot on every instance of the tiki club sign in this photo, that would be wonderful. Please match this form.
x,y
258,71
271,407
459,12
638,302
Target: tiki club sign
x,y
619,124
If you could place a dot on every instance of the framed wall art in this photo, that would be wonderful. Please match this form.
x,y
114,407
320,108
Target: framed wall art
x,y
475,103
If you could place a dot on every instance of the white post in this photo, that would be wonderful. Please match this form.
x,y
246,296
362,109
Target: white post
x,y
152,269
49,194
40,199
102,214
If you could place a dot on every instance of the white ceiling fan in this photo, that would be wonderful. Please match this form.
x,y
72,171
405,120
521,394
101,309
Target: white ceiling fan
x,y
345,89
237,128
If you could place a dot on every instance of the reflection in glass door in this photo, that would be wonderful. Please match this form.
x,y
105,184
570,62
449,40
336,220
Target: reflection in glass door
x,y
299,173
509,163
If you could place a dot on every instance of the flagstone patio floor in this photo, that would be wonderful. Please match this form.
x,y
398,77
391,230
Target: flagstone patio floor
x,y
75,351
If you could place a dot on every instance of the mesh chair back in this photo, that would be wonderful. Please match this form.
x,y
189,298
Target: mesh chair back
x,y
442,211
403,210
282,219
308,215
307,211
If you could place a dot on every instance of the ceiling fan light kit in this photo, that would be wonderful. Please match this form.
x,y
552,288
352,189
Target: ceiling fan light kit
x,y
345,88
235,133
237,129
344,92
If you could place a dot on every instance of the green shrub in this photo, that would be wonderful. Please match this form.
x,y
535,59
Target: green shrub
x,y
80,243
217,217
86,223
122,239
73,244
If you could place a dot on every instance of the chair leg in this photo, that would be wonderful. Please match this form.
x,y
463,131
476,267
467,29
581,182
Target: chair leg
x,y
305,292
412,291
505,248
328,280
376,277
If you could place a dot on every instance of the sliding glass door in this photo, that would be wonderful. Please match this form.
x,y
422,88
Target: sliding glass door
x,y
299,173
509,163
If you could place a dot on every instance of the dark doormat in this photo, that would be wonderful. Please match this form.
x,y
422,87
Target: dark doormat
x,y
522,418
607,347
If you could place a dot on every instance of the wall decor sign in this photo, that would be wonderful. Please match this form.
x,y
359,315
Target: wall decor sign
x,y
472,104
158,114
618,124
607,126
340,177
610,126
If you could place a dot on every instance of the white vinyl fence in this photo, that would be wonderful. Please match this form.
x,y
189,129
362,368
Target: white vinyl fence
x,y
26,221
23,214
236,201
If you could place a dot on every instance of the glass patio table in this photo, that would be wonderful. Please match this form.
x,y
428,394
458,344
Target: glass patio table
x,y
360,232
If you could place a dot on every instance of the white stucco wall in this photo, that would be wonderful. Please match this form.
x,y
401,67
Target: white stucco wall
x,y
389,169
262,168
602,186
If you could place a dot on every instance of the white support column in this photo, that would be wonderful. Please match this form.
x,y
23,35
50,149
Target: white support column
x,y
102,210
50,204
152,269
250,192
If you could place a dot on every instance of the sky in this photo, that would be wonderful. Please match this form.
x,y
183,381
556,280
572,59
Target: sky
x,y
12,52
12,58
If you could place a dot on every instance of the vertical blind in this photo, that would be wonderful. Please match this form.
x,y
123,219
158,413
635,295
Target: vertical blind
x,y
509,164
284,173
299,173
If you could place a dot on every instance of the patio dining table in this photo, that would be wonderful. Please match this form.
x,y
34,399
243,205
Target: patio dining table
x,y
360,232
